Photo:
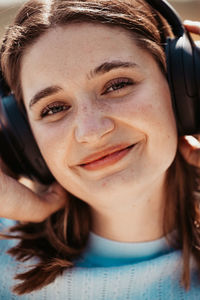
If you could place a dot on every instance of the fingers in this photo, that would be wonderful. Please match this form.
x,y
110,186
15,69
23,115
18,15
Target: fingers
x,y
192,26
189,147
18,202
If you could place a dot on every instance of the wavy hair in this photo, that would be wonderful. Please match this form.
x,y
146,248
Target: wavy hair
x,y
61,238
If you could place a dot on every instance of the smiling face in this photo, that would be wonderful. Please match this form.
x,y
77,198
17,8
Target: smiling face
x,y
91,92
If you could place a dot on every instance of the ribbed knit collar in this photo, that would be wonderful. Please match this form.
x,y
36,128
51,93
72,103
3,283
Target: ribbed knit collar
x,y
103,252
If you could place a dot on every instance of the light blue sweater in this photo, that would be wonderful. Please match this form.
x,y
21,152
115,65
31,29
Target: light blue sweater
x,y
111,270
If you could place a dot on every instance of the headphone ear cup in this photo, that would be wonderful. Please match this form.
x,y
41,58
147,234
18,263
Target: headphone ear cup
x,y
18,147
182,82
197,75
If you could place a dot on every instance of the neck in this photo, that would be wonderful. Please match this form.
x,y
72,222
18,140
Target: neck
x,y
140,222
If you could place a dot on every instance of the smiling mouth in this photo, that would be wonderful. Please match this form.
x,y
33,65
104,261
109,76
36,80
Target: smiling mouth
x,y
107,160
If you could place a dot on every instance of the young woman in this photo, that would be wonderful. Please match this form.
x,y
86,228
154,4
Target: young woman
x,y
91,76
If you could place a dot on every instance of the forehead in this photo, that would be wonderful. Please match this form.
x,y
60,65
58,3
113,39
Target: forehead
x,y
77,40
71,52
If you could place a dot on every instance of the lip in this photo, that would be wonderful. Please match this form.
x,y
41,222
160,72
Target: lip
x,y
101,154
106,157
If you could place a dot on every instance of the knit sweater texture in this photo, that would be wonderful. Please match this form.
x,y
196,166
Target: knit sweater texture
x,y
110,270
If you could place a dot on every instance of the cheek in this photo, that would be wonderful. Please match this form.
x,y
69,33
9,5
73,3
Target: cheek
x,y
149,110
53,141
146,108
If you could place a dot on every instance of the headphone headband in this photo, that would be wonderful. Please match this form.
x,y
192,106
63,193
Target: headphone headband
x,y
169,13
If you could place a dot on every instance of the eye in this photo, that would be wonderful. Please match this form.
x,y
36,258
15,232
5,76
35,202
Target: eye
x,y
53,109
117,84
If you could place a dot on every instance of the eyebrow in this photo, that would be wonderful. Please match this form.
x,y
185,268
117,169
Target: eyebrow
x,y
103,68
51,90
108,66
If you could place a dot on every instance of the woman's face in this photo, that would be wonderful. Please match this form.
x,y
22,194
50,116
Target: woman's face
x,y
90,91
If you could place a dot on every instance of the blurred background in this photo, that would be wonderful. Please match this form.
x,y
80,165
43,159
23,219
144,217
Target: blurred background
x,y
188,9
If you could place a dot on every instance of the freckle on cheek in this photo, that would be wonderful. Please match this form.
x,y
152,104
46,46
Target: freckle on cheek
x,y
84,109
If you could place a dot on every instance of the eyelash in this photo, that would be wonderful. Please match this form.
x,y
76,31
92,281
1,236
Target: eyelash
x,y
49,110
116,84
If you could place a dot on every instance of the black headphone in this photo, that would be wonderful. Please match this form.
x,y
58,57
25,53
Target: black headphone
x,y
18,148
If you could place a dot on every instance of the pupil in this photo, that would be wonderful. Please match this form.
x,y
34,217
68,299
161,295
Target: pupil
x,y
119,85
56,109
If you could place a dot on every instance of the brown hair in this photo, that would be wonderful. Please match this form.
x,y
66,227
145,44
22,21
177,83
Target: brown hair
x,y
62,237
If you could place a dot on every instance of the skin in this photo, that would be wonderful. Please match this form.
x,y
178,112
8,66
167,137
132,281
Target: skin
x,y
36,207
126,198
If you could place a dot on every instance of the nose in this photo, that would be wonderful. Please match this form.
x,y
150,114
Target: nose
x,y
92,125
